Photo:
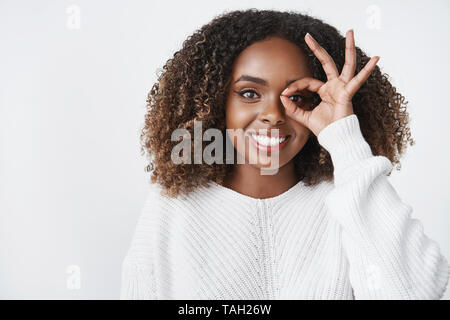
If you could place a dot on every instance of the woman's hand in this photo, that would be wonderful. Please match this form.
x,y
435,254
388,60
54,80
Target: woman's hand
x,y
336,93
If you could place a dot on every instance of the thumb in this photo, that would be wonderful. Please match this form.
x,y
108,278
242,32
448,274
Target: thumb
x,y
293,111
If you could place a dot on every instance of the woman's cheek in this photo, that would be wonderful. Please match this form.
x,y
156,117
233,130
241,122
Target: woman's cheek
x,y
238,117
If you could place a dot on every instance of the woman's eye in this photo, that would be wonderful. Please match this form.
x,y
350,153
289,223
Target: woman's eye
x,y
250,94
297,98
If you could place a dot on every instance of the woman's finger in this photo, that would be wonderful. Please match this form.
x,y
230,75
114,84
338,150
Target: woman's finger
x,y
348,71
295,112
362,76
308,83
325,59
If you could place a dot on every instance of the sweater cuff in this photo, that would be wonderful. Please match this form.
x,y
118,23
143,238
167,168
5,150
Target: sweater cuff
x,y
344,141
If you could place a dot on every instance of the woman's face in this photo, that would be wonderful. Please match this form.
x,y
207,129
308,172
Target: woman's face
x,y
260,73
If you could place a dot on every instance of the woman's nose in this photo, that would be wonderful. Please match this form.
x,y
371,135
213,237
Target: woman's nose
x,y
273,113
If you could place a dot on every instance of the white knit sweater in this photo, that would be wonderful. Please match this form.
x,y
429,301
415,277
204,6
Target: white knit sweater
x,y
351,239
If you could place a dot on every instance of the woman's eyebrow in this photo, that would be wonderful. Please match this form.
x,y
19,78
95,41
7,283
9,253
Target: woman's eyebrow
x,y
263,82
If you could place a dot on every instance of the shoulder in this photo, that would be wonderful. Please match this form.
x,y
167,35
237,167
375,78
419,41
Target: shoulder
x,y
322,189
149,215
315,195
159,214
160,208
153,197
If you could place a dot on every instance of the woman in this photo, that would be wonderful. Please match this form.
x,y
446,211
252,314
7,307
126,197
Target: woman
x,y
324,223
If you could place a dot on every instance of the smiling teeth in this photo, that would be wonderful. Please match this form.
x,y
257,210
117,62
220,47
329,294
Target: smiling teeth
x,y
266,141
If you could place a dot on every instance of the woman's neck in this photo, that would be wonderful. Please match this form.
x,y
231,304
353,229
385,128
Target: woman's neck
x,y
248,180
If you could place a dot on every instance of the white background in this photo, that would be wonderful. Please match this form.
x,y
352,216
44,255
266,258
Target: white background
x,y
72,180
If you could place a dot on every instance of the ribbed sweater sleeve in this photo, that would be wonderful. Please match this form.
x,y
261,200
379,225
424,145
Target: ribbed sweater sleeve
x,y
138,280
389,255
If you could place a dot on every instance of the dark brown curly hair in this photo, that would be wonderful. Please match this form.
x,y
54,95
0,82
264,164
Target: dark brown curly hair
x,y
193,85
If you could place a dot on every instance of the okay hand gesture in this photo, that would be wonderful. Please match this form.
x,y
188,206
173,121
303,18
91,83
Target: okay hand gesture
x,y
336,93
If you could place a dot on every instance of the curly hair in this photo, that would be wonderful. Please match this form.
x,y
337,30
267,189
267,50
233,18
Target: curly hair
x,y
193,85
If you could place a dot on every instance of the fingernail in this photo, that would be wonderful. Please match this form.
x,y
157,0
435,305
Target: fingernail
x,y
284,91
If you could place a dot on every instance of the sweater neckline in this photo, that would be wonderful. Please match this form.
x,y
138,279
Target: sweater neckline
x,y
282,196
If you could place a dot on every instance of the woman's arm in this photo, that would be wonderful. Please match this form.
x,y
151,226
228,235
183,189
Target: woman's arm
x,y
390,257
138,280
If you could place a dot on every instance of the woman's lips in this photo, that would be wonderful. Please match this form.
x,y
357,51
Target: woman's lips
x,y
270,148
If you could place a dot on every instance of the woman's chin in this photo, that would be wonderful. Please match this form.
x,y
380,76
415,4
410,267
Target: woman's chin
x,y
268,164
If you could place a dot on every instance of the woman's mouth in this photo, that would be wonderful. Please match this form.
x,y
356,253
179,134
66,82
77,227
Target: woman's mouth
x,y
267,143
